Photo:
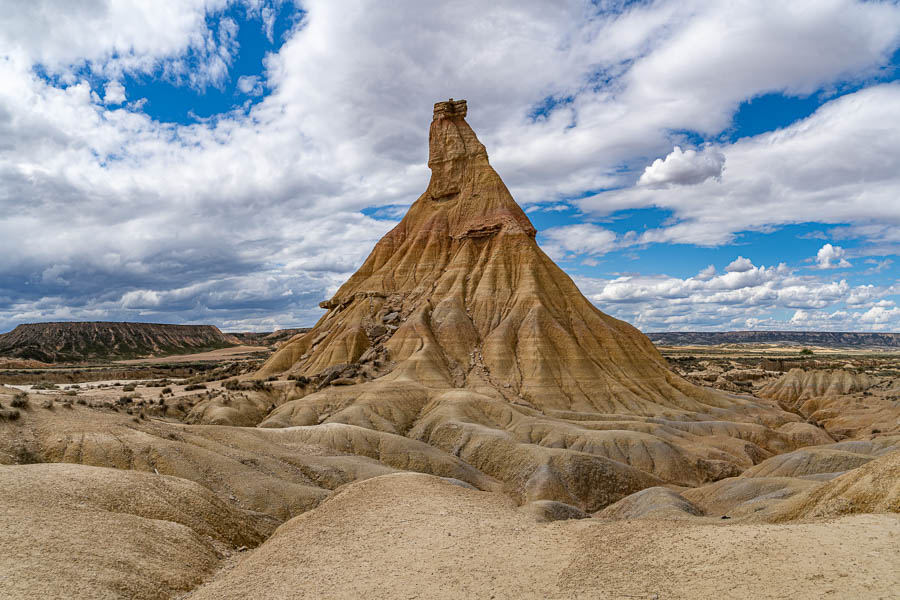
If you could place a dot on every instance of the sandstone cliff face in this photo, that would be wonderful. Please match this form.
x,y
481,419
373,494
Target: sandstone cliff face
x,y
78,341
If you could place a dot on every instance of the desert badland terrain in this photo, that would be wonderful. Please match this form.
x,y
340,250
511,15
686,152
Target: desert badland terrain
x,y
462,422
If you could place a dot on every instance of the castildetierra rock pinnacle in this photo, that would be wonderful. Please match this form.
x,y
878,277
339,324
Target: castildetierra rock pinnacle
x,y
459,332
459,295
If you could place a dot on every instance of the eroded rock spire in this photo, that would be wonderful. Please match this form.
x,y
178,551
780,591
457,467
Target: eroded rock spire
x,y
452,145
460,332
459,294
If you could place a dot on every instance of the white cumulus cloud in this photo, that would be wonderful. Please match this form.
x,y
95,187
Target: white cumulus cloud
x,y
250,85
114,93
583,238
739,265
684,168
741,299
831,257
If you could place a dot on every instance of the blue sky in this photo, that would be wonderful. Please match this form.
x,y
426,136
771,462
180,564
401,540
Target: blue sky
x,y
692,165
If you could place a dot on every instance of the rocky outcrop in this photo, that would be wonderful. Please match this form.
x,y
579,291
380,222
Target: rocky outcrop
x,y
267,338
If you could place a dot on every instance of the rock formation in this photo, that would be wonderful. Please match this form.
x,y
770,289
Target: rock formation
x,y
843,403
460,332
798,385
459,295
871,488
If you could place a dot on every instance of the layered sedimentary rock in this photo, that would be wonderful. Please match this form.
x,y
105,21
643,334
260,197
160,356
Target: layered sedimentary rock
x,y
459,295
798,385
459,331
844,403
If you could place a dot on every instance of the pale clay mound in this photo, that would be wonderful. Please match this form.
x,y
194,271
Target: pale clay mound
x,y
797,385
652,503
738,497
413,536
872,488
808,462
845,404
70,531
276,472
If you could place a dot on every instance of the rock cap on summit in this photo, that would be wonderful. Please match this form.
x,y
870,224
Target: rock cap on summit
x,y
450,108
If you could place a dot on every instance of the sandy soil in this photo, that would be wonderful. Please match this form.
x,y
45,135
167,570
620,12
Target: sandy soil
x,y
213,355
415,536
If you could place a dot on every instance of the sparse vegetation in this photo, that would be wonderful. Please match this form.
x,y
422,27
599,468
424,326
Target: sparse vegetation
x,y
806,352
8,414
45,385
129,387
20,400
299,379
25,455
194,386
233,385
